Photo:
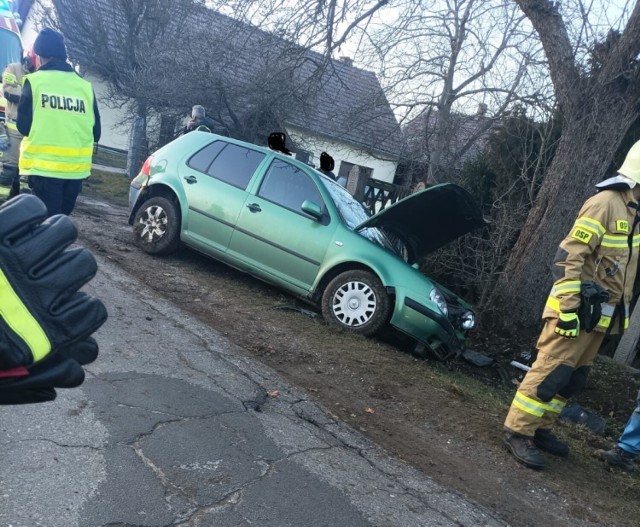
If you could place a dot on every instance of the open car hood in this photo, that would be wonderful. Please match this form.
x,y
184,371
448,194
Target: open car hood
x,y
429,219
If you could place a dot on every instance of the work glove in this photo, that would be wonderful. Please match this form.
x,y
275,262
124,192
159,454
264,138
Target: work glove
x,y
568,325
45,321
36,383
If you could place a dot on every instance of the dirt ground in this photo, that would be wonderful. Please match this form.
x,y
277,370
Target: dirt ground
x,y
445,419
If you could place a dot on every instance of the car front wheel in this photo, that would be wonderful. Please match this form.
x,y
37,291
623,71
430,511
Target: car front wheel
x,y
156,226
357,301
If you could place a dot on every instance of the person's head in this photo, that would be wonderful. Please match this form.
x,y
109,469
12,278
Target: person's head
x,y
326,162
48,46
198,113
29,61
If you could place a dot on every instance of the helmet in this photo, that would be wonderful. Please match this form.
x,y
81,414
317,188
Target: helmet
x,y
29,60
631,166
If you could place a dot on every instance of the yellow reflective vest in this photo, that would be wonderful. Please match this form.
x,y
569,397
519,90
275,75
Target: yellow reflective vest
x,y
60,142
602,248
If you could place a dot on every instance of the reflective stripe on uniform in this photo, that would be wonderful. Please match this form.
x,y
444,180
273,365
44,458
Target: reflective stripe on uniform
x,y
11,126
54,166
591,225
570,286
616,241
9,78
61,151
529,405
21,321
553,303
556,405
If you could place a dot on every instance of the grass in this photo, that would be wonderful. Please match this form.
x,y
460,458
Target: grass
x,y
107,185
110,159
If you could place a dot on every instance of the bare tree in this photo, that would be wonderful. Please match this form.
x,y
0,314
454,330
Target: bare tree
x,y
133,45
448,61
599,100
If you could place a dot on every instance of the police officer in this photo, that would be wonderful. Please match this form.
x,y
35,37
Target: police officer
x,y
59,119
600,252
12,88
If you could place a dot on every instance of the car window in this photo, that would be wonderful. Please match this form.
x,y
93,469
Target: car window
x,y
231,163
202,159
288,186
235,165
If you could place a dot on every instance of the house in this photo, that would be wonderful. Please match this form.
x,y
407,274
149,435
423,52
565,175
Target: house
x,y
466,137
323,104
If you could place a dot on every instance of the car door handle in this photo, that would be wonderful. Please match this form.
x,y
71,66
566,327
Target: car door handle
x,y
191,179
254,207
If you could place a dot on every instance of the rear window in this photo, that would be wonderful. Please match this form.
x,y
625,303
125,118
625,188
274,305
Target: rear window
x,y
232,164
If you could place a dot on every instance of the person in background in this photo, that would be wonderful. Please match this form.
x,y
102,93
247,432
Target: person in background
x,y
59,119
594,271
625,453
203,123
277,141
12,78
326,165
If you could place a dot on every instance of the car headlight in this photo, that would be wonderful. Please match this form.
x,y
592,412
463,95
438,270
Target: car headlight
x,y
468,320
438,298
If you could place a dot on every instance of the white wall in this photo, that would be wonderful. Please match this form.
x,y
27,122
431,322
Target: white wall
x,y
114,135
383,169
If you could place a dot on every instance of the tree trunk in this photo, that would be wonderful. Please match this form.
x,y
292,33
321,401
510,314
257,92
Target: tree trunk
x,y
137,145
583,156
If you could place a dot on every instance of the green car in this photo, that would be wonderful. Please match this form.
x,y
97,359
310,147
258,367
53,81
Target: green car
x,y
284,222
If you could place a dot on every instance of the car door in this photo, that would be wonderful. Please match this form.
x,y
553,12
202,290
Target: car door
x,y
275,236
215,182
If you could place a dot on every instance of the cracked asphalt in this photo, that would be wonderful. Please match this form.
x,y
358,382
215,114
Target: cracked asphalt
x,y
175,426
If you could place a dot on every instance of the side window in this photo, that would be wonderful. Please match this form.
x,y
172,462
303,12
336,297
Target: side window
x,y
202,159
235,165
289,187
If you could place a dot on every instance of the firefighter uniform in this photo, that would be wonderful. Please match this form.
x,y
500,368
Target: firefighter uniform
x,y
602,247
59,119
12,78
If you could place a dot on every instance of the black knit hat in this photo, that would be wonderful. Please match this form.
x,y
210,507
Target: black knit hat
x,y
50,44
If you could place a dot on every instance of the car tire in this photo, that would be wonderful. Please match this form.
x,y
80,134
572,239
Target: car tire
x,y
357,301
156,226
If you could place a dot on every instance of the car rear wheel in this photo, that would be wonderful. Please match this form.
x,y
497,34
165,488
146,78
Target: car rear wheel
x,y
357,301
156,226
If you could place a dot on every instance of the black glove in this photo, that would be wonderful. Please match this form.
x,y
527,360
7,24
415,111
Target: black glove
x,y
41,308
60,370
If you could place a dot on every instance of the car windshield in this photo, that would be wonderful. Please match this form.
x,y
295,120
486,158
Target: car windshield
x,y
353,213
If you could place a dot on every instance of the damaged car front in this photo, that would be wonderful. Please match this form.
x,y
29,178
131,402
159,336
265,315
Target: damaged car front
x,y
428,312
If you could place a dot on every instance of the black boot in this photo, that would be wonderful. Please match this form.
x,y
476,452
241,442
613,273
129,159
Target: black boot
x,y
525,450
616,457
545,440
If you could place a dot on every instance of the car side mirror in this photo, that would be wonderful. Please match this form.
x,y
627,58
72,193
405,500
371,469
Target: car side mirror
x,y
312,209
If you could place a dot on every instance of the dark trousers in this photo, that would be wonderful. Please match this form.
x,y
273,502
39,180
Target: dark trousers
x,y
59,195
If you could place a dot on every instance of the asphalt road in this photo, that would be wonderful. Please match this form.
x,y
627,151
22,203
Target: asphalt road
x,y
176,426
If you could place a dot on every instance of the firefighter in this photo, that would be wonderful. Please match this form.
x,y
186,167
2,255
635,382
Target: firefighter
x,y
12,87
596,260
59,119
45,322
